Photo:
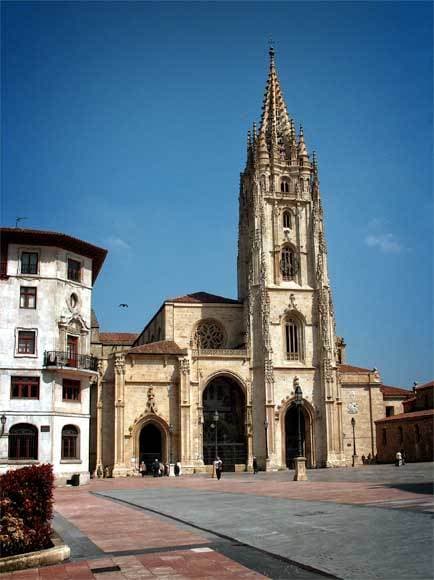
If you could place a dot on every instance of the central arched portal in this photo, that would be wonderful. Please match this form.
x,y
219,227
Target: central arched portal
x,y
227,436
150,445
291,430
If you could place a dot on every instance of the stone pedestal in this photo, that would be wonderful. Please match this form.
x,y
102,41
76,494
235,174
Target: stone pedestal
x,y
172,470
300,469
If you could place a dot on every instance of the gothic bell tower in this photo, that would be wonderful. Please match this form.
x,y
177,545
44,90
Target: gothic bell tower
x,y
283,282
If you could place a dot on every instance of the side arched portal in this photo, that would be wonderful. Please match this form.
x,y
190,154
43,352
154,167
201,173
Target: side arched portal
x,y
291,429
151,444
227,435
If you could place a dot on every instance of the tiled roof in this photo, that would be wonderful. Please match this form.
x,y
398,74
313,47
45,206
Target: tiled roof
x,y
203,298
118,337
44,238
342,368
408,416
395,391
160,347
429,385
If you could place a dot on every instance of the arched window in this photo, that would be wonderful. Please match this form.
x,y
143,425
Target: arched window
x,y
384,433
23,441
286,218
209,334
293,339
284,186
288,263
70,442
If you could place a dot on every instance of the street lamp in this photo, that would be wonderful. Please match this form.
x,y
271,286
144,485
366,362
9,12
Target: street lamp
x,y
216,420
353,425
3,422
299,461
266,424
171,430
299,403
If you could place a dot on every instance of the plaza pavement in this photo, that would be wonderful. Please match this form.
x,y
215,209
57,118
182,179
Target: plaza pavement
x,y
366,522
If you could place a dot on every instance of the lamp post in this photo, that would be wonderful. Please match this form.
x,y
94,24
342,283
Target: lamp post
x,y
216,420
171,467
266,424
3,422
353,425
300,461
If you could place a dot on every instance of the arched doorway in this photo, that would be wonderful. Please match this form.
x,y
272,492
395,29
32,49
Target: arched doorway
x,y
150,445
224,395
291,428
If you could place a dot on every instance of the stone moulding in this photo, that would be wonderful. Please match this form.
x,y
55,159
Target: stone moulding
x,y
54,555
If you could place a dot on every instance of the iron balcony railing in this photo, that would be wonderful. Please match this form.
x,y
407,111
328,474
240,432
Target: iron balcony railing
x,y
56,358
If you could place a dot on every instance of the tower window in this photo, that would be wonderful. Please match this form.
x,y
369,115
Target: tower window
x,y
74,270
288,263
390,411
284,186
286,219
292,338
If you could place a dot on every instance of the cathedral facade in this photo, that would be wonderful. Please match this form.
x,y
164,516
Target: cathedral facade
x,y
210,375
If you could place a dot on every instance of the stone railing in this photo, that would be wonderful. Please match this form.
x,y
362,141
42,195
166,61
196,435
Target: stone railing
x,y
220,352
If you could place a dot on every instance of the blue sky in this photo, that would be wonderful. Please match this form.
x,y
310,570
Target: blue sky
x,y
124,123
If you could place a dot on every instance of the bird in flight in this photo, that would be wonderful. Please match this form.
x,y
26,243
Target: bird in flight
x,y
123,305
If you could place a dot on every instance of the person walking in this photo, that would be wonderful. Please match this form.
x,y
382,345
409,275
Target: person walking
x,y
143,468
155,467
255,465
218,466
398,458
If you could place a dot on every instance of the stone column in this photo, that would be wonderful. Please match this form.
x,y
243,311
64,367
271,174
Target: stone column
x,y
120,468
185,424
99,421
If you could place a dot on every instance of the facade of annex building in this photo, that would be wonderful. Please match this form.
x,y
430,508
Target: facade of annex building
x,y
46,281
214,375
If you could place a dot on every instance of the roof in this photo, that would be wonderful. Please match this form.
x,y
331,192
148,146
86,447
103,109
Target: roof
x,y
429,385
57,239
160,347
408,416
395,391
203,298
118,337
342,368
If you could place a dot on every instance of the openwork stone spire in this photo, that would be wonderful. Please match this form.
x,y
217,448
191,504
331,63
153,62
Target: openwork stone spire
x,y
275,121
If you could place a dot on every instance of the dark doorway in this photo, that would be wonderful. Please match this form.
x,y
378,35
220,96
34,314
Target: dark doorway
x,y
150,445
225,396
291,427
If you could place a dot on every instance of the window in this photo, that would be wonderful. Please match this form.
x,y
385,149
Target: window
x,y
292,337
24,387
72,350
286,219
23,442
288,263
29,262
384,433
27,297
209,335
26,342
70,442
401,435
70,390
74,270
390,411
417,433
284,186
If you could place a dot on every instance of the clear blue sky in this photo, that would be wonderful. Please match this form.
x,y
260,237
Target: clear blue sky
x,y
124,123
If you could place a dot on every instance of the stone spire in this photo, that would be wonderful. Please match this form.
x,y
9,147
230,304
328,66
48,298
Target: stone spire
x,y
275,122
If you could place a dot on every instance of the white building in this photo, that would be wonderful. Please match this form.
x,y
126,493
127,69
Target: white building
x,y
46,281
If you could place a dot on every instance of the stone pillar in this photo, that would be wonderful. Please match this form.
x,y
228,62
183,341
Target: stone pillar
x,y
99,422
120,468
185,424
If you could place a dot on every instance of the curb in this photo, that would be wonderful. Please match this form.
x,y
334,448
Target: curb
x,y
58,553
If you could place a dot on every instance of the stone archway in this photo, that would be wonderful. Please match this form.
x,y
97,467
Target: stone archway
x,y
290,438
224,395
151,444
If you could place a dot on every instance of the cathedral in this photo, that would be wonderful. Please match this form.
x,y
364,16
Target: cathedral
x,y
210,375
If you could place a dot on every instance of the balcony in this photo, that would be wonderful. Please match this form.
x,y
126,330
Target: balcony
x,y
59,359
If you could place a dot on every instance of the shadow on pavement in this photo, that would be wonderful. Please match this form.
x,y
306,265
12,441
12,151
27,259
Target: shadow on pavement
x,y
424,487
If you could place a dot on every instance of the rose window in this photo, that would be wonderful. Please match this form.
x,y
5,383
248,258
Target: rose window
x,y
209,335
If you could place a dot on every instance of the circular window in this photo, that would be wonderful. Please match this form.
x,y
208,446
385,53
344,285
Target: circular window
x,y
209,334
73,300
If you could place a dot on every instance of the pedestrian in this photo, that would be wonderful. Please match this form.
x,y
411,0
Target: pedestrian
x,y
177,468
166,469
143,468
398,459
255,465
363,459
369,459
218,466
160,469
404,457
178,464
155,467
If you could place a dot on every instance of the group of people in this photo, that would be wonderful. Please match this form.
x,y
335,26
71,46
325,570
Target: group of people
x,y
400,458
159,469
